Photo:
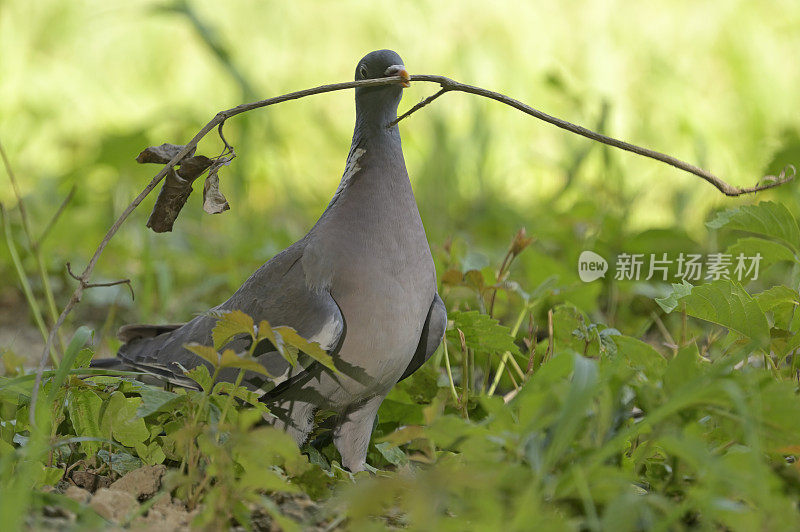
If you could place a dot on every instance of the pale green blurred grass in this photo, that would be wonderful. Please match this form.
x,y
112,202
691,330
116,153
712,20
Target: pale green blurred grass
x,y
84,85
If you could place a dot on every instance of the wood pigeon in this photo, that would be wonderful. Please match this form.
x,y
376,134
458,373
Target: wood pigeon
x,y
361,283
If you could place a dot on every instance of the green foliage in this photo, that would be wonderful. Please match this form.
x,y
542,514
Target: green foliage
x,y
563,422
481,333
284,339
625,442
768,219
722,302
119,425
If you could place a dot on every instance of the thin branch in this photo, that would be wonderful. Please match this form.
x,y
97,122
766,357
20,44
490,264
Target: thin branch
x,y
418,106
449,85
100,285
228,148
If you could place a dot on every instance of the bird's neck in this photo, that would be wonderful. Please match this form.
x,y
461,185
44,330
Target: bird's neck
x,y
373,135
373,117
370,137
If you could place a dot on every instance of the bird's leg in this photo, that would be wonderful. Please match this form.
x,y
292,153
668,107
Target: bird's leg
x,y
353,430
294,417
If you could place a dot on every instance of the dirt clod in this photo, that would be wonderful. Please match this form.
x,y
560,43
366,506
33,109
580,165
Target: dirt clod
x,y
78,494
165,515
142,483
90,481
113,505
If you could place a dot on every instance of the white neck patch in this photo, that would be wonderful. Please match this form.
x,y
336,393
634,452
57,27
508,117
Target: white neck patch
x,y
351,168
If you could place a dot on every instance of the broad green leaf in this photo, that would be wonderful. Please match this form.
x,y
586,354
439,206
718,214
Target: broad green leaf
x,y
769,219
242,393
679,291
265,333
777,295
722,302
5,448
49,476
201,376
289,353
22,384
315,457
206,352
771,251
640,355
421,387
229,325
80,337
230,359
393,455
481,333
312,349
410,433
150,454
84,407
266,480
402,413
154,399
120,463
84,358
683,368
449,432
121,420
574,409
265,447
782,302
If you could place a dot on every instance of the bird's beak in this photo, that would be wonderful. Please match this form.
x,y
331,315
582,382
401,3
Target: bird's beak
x,y
399,70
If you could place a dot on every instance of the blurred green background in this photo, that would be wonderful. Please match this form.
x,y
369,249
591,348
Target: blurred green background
x,y
85,85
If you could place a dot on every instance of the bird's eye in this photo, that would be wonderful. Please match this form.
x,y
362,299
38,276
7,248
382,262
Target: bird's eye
x,y
362,71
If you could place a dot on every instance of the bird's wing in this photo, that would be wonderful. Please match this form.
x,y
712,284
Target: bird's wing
x,y
276,292
431,337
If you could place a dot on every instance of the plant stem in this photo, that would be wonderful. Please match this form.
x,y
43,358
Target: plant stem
x,y
500,274
507,356
230,397
450,373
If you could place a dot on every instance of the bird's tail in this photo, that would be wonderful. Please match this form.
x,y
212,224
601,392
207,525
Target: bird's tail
x,y
108,363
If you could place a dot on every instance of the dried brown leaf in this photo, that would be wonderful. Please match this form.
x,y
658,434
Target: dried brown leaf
x,y
193,167
169,203
176,188
213,200
161,154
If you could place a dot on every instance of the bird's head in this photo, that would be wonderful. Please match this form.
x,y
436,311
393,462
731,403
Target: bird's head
x,y
383,98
